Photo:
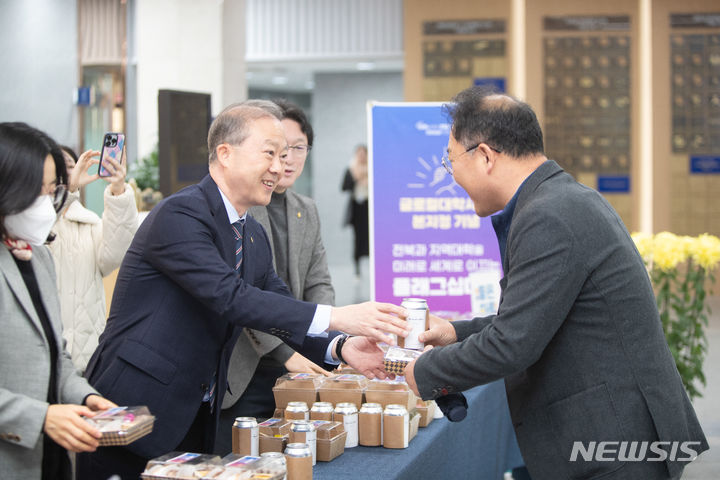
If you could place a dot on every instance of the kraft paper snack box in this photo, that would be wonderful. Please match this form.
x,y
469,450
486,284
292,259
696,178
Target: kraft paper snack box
x,y
344,388
414,424
274,433
386,392
330,440
275,443
296,387
274,426
122,425
426,409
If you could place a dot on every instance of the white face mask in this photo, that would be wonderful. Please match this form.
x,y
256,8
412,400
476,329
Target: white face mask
x,y
34,223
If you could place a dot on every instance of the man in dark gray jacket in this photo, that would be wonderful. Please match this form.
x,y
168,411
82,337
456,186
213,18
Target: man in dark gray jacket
x,y
592,387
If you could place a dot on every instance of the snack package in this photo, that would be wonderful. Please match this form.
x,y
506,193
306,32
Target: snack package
x,y
238,467
180,466
396,359
387,392
296,387
122,425
346,387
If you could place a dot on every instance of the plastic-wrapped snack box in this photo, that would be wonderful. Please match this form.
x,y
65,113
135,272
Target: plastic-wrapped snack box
x,y
237,467
396,359
296,387
122,425
343,388
180,466
387,392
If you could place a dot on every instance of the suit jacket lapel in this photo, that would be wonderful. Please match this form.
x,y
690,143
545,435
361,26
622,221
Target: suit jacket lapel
x,y
296,221
222,222
17,285
542,173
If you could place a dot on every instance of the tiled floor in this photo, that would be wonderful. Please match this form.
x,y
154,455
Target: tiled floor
x,y
349,289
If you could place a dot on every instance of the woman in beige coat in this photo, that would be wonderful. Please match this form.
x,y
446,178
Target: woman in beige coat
x,y
88,248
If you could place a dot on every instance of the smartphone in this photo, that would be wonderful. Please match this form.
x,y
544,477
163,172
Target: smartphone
x,y
113,144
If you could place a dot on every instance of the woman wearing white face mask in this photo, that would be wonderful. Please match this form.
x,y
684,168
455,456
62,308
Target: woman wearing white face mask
x,y
42,397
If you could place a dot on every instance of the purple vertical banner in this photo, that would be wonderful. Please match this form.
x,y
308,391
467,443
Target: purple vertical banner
x,y
426,240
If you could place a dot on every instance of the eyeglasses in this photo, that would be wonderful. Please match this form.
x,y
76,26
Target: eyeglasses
x,y
447,163
58,197
300,150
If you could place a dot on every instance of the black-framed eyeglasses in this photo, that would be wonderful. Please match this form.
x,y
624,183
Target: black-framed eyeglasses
x,y
299,149
447,163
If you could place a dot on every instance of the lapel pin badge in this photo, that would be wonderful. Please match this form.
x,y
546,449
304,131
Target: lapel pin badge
x,y
299,215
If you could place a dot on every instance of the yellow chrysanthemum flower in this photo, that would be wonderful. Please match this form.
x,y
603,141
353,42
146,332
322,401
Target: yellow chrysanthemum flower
x,y
644,244
669,250
706,251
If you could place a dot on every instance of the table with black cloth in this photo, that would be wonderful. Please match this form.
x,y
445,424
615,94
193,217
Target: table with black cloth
x,y
482,447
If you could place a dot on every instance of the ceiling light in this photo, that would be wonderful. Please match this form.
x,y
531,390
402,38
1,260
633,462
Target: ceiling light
x,y
365,66
279,80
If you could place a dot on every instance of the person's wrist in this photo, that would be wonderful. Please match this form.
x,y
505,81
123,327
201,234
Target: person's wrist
x,y
117,189
339,346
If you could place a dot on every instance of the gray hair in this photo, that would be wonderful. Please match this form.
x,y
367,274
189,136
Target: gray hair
x,y
232,124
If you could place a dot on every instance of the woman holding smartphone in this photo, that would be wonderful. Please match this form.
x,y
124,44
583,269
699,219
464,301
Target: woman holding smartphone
x,y
42,397
88,248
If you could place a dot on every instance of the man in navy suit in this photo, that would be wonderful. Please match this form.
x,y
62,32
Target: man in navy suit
x,y
193,277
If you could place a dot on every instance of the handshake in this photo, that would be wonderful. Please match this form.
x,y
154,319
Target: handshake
x,y
372,322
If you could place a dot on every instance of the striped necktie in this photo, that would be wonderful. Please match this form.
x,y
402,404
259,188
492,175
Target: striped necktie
x,y
238,228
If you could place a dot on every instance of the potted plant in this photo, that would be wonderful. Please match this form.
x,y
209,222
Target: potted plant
x,y
145,178
681,270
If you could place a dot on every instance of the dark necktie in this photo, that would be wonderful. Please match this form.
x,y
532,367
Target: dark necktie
x,y
238,228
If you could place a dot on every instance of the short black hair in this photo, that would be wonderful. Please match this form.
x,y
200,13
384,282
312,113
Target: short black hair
x,y
23,150
293,112
480,114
